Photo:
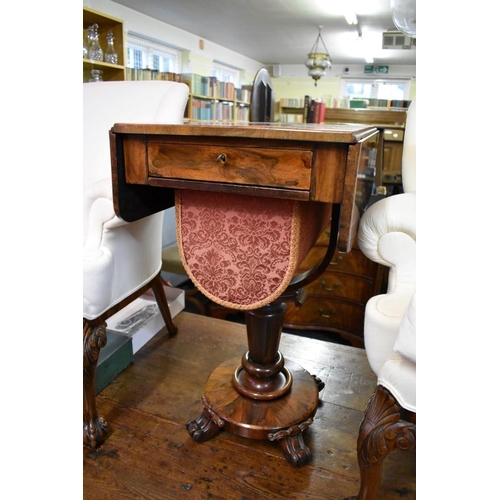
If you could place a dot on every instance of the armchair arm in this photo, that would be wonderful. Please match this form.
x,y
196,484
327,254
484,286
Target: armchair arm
x,y
387,235
98,213
392,215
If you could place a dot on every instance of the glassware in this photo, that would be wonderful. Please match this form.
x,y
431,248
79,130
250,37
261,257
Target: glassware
x,y
111,56
85,48
94,51
96,75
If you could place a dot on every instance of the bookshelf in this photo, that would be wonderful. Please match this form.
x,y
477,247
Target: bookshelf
x,y
136,74
304,110
292,111
106,24
213,100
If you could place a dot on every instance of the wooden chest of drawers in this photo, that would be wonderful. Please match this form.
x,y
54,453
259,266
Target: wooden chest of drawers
x,y
336,300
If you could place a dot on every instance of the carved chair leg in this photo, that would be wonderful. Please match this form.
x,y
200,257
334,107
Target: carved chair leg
x,y
95,428
381,432
161,300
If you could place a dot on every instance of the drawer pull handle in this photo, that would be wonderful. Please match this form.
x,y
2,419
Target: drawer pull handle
x,y
328,288
222,158
332,313
338,261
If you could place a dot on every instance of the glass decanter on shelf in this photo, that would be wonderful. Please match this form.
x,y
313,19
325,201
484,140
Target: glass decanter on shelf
x,y
94,49
111,56
85,49
96,76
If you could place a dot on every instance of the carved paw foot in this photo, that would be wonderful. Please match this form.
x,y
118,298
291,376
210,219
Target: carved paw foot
x,y
319,383
95,432
295,450
292,443
206,426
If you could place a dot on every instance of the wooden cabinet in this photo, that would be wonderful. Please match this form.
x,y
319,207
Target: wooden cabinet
x,y
393,154
391,124
106,24
213,100
336,300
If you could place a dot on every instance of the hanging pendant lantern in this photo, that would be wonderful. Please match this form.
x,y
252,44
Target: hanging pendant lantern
x,y
318,62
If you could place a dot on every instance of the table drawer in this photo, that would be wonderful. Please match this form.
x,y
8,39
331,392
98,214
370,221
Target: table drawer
x,y
284,168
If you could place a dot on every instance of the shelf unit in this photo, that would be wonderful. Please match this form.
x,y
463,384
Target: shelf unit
x,y
106,24
292,111
213,100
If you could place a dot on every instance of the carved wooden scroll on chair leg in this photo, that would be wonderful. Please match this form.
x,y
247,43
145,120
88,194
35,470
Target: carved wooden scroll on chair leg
x,y
381,432
95,428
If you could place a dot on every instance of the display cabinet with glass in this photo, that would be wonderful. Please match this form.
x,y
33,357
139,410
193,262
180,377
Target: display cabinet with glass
x,y
103,46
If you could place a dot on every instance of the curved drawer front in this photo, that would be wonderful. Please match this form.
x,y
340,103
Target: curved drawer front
x,y
332,285
327,313
354,262
284,168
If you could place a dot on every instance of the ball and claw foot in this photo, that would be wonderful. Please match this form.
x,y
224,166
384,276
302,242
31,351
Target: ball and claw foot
x,y
95,432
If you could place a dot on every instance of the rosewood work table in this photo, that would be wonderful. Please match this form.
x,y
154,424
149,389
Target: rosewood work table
x,y
251,200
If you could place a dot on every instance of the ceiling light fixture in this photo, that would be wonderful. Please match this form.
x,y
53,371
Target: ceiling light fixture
x,y
318,62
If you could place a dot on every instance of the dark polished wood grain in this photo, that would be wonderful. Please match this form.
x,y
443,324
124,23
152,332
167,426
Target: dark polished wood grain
x,y
149,454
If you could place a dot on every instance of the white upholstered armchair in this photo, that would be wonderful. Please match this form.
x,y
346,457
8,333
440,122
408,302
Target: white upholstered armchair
x,y
387,235
120,260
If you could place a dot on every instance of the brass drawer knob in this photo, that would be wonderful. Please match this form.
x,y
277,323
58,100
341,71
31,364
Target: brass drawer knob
x,y
330,288
222,158
332,313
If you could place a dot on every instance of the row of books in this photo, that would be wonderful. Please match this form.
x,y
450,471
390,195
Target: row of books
x,y
291,117
209,86
202,110
291,103
311,111
221,111
244,94
314,110
242,113
136,74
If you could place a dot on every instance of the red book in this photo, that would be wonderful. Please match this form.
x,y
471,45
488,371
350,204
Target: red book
x,y
321,112
316,107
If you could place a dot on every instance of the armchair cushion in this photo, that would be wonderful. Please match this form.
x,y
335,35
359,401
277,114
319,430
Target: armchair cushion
x,y
399,376
406,342
119,257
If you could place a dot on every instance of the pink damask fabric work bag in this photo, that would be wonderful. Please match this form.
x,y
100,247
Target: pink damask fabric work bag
x,y
242,251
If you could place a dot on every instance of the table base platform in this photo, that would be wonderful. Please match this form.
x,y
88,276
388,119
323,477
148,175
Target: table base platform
x,y
283,419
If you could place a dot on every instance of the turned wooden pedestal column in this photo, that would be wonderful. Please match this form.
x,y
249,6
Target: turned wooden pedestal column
x,y
261,395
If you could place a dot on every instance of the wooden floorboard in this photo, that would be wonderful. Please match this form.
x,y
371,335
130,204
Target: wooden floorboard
x,y
150,455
